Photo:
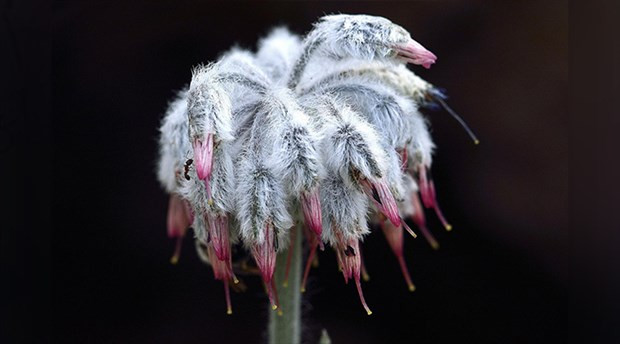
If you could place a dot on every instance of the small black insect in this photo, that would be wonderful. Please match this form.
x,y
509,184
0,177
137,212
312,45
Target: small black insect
x,y
349,251
188,163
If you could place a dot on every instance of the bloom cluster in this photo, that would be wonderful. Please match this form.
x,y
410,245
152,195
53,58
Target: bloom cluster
x,y
322,131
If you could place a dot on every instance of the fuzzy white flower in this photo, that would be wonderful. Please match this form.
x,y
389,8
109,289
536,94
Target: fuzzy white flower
x,y
324,130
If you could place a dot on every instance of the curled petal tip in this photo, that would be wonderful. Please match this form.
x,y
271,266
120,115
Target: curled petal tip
x,y
413,52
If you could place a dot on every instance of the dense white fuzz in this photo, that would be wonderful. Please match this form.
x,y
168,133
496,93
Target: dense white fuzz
x,y
221,200
337,37
393,76
261,200
239,68
405,205
174,147
200,233
360,36
277,51
421,147
403,80
345,208
349,145
209,107
292,142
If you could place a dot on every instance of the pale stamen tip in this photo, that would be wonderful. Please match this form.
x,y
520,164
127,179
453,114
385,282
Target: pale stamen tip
x,y
435,245
280,313
303,290
229,311
476,142
448,227
236,281
411,287
174,260
365,277
369,312
210,201
285,284
274,307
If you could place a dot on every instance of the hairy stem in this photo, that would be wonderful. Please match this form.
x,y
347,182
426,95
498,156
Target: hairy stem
x,y
286,328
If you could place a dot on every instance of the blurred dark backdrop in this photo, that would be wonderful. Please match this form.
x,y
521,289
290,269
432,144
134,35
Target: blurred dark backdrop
x,y
501,274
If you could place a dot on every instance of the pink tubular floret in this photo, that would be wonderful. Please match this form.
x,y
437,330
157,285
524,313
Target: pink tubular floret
x,y
413,52
429,198
311,206
349,258
265,257
394,237
222,270
420,221
220,237
383,199
203,157
180,217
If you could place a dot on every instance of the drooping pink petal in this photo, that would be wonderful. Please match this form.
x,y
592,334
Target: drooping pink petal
x,y
361,295
383,199
420,221
429,197
365,275
265,256
311,206
423,183
275,295
177,223
394,237
178,219
350,260
227,294
222,270
413,52
177,250
203,157
438,211
189,212
219,235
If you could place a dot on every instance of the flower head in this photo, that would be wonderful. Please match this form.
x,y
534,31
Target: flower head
x,y
319,131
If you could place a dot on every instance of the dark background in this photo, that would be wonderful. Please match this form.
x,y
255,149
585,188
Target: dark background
x,y
502,275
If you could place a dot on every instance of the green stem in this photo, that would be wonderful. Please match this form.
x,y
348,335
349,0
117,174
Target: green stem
x,y
286,328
